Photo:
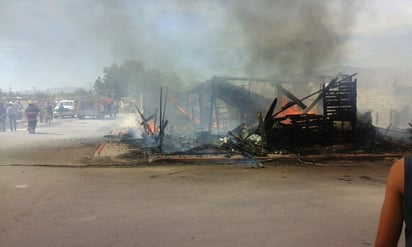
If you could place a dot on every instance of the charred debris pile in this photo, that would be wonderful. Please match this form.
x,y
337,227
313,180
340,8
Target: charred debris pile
x,y
234,119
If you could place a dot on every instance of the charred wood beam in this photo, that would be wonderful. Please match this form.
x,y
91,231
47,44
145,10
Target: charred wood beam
x,y
291,96
269,114
145,121
320,96
290,104
244,146
331,84
163,122
161,117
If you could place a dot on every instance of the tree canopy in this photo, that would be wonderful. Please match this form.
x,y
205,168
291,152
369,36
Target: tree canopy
x,y
132,78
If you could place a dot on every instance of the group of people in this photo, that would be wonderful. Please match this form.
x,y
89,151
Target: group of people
x,y
13,113
46,113
10,112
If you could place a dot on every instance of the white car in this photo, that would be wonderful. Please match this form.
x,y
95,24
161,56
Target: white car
x,y
67,111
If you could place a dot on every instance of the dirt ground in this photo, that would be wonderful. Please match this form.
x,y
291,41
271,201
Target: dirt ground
x,y
118,202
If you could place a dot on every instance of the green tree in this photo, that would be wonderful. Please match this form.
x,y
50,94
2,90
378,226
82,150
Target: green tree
x,y
131,79
100,87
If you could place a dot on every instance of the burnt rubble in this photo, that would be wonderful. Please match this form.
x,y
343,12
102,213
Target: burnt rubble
x,y
274,131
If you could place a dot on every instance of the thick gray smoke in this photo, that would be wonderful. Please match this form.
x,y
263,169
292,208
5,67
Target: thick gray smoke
x,y
72,41
292,37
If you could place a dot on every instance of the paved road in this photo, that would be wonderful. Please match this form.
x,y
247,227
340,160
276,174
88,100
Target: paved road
x,y
55,144
187,205
59,129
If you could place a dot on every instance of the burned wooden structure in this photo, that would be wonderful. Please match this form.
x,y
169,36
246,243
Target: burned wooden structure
x,y
282,131
324,121
336,125
225,102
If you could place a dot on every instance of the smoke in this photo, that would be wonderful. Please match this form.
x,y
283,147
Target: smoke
x,y
293,37
52,42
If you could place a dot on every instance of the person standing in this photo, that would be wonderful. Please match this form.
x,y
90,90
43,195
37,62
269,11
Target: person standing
x,y
19,117
61,108
115,110
102,113
12,115
31,113
3,113
397,205
49,111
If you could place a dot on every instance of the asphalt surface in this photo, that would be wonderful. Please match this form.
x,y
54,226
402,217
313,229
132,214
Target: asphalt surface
x,y
176,205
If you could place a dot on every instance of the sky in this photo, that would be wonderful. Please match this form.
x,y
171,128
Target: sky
x,y
48,44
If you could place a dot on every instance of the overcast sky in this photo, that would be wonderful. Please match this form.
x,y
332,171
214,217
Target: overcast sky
x,y
46,44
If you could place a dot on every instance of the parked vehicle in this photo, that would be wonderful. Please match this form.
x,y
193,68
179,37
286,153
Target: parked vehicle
x,y
65,108
93,108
